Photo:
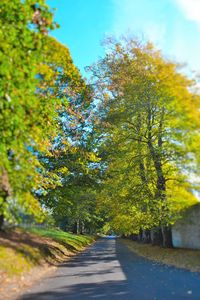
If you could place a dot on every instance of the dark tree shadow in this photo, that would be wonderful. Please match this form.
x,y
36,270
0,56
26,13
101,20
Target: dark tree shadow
x,y
22,243
142,279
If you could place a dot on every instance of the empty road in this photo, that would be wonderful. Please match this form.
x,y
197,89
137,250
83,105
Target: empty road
x,y
108,270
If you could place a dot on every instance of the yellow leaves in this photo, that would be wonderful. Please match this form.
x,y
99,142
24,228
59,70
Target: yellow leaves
x,y
31,205
153,128
63,170
123,193
93,157
45,70
179,197
130,222
50,180
73,150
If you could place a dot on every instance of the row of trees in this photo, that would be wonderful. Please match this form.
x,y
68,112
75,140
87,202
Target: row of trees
x,y
45,155
119,152
150,140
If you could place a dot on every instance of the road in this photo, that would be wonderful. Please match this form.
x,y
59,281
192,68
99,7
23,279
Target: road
x,y
109,270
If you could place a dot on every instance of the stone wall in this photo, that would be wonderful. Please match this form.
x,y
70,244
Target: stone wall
x,y
186,231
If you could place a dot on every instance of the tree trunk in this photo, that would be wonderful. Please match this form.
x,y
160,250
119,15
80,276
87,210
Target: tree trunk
x,y
78,226
82,228
74,228
134,237
140,235
2,216
167,237
160,195
1,221
5,192
147,236
156,236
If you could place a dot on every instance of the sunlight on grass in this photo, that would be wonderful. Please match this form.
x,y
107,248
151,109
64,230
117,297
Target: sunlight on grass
x,y
13,262
67,239
36,247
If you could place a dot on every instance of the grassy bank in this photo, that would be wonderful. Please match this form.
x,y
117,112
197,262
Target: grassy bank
x,y
22,250
181,258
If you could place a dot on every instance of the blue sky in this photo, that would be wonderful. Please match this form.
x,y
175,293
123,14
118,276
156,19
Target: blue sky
x,y
172,25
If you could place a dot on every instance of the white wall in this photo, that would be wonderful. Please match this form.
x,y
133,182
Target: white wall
x,y
186,232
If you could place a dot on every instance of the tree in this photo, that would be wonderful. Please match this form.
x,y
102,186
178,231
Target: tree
x,y
150,114
73,160
37,80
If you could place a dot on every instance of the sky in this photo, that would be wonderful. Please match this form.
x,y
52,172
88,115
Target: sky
x,y
172,25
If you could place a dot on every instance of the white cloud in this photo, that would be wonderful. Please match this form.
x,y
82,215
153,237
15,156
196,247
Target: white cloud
x,y
160,21
191,9
131,17
156,33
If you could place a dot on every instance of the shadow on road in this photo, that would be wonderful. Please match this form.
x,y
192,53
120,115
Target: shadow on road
x,y
108,270
117,290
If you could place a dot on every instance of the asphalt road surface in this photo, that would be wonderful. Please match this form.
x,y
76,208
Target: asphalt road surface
x,y
108,270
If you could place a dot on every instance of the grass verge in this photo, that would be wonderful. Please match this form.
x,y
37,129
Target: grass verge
x,y
181,258
22,250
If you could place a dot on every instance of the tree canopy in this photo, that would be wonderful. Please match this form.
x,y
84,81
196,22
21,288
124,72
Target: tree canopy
x,y
119,151
150,115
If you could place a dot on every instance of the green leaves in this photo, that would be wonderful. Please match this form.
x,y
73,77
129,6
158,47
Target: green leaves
x,y
29,101
149,116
